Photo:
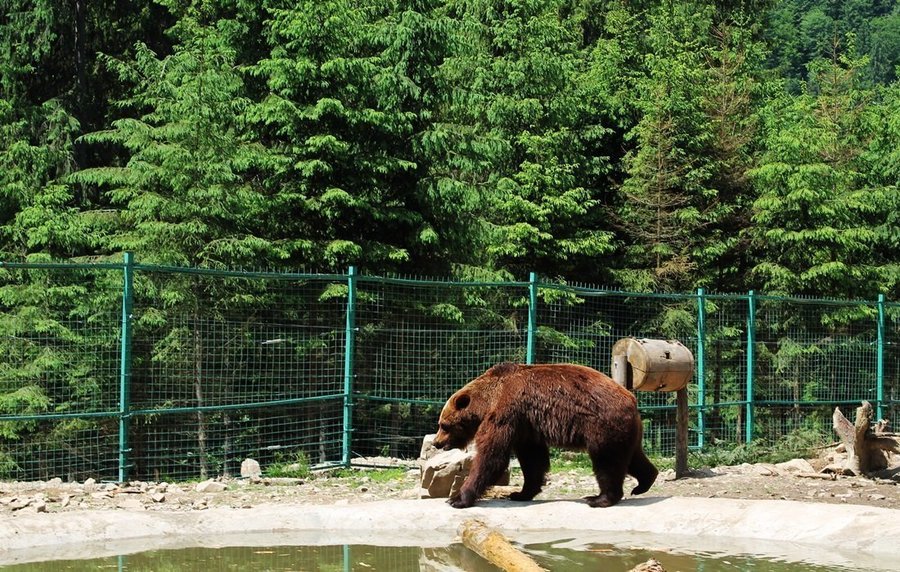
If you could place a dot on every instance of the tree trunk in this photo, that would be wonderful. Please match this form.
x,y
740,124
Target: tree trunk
x,y
198,394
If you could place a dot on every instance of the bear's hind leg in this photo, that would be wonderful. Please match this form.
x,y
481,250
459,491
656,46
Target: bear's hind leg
x,y
610,473
534,458
643,470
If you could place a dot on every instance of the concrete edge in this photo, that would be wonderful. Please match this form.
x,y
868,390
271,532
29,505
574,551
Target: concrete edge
x,y
826,534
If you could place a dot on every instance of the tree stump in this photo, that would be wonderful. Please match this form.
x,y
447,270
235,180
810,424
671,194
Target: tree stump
x,y
867,445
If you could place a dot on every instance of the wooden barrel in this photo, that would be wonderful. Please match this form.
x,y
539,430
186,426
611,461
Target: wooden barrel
x,y
652,365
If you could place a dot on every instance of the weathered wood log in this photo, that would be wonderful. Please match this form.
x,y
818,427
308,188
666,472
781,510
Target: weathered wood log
x,y
866,443
495,548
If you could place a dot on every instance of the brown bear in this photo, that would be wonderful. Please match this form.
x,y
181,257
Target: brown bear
x,y
526,409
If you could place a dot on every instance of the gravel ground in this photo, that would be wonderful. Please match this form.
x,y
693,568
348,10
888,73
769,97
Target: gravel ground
x,y
796,480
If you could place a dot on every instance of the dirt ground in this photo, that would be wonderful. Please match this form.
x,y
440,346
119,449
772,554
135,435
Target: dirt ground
x,y
796,480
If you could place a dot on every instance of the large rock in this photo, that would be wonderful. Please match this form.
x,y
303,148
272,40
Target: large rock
x,y
443,472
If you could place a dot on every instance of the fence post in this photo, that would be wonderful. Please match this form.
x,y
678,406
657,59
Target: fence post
x,y
532,317
125,365
751,359
701,366
349,350
879,362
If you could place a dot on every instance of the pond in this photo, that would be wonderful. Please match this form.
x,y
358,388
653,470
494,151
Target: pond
x,y
558,556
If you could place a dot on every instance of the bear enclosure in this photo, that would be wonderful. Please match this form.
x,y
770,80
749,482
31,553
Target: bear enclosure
x,y
123,371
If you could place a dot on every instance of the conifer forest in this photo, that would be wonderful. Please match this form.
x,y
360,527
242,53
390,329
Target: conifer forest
x,y
649,146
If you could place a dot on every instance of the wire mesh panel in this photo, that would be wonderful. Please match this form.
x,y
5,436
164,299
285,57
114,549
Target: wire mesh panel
x,y
725,383
234,340
207,443
59,342
811,357
229,365
420,341
581,325
891,380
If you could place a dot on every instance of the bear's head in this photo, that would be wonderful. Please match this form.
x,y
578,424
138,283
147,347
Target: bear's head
x,y
459,421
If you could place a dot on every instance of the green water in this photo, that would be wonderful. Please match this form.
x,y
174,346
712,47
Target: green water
x,y
358,558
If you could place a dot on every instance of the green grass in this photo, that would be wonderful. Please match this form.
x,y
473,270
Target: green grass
x,y
296,466
380,476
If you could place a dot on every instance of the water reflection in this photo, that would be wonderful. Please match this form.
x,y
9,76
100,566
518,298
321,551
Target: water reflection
x,y
345,558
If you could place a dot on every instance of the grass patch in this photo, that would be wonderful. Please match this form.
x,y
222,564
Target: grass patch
x,y
295,467
380,476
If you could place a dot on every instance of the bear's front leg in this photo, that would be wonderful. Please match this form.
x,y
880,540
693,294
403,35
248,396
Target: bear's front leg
x,y
463,499
490,461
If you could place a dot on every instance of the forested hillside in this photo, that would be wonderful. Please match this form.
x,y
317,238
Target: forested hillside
x,y
651,146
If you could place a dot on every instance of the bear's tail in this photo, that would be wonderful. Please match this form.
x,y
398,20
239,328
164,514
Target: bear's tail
x,y
643,470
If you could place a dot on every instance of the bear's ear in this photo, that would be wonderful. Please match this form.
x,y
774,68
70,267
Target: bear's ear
x,y
462,401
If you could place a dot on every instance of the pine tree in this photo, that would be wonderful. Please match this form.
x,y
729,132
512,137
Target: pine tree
x,y
666,194
518,120
811,216
336,134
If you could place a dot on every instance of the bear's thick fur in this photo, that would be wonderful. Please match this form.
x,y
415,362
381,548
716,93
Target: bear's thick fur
x,y
526,409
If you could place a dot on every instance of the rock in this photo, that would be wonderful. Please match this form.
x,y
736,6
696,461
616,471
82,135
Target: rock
x,y
54,482
796,466
90,485
39,506
428,450
441,469
130,503
210,486
19,504
250,468
158,497
443,472
667,475
766,470
66,499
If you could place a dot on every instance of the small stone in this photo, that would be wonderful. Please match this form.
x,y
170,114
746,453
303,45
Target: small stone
x,y
19,504
210,486
130,503
250,468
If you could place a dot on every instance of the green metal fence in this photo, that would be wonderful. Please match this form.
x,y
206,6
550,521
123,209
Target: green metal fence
x,y
131,371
